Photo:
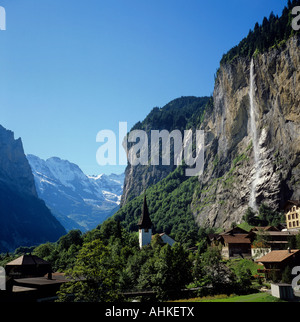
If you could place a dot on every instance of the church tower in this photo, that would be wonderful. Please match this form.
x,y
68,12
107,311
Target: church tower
x,y
145,226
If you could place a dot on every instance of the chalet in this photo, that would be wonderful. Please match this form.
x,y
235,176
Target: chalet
x,y
276,261
270,238
30,279
27,265
292,215
235,243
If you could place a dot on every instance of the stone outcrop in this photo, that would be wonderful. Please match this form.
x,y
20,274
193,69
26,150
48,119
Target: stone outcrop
x,y
226,184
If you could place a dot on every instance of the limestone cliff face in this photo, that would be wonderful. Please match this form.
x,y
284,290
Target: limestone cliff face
x,y
252,137
226,184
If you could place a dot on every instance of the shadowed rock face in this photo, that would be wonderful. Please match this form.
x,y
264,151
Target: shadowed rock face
x,y
230,168
14,167
25,219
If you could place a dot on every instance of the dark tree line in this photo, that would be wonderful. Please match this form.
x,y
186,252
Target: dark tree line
x,y
273,31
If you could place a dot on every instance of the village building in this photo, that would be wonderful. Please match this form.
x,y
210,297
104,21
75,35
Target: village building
x,y
30,279
276,261
260,241
27,265
292,215
267,239
235,243
145,229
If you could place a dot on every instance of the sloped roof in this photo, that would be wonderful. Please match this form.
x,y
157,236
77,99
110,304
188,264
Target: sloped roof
x,y
277,256
265,228
295,202
237,239
275,233
291,203
234,231
145,221
27,260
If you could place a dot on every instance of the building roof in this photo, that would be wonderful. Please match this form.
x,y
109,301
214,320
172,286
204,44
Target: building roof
x,y
236,239
265,228
276,233
234,231
277,256
291,203
27,260
145,221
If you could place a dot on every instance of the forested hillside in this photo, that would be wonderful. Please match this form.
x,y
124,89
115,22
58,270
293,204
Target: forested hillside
x,y
273,32
181,114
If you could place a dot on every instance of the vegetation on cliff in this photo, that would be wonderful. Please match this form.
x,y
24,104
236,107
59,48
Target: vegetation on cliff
x,y
181,114
274,31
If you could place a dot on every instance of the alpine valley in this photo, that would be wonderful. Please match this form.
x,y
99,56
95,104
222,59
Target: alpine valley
x,y
155,233
252,153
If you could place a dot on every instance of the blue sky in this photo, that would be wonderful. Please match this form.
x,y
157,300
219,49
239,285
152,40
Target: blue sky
x,y
69,69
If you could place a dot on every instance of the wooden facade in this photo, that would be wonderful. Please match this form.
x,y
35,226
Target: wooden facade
x,y
276,261
236,243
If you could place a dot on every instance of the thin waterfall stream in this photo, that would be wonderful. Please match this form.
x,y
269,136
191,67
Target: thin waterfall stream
x,y
255,140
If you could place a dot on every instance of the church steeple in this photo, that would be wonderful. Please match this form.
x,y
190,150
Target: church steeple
x,y
145,226
145,221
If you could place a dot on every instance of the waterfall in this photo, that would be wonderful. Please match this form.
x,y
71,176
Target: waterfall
x,y
257,166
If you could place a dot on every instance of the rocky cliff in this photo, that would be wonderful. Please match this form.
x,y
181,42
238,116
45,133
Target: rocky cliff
x,y
14,167
227,183
252,137
25,219
180,114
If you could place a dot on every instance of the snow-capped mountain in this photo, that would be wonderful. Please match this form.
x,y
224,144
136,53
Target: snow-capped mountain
x,y
78,201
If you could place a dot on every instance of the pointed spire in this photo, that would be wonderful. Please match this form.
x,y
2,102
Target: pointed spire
x,y
145,221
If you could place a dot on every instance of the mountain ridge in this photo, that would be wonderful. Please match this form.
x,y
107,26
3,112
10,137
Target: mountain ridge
x,y
221,195
78,201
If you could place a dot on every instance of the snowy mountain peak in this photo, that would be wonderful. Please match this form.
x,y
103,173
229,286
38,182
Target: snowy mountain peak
x,y
77,200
